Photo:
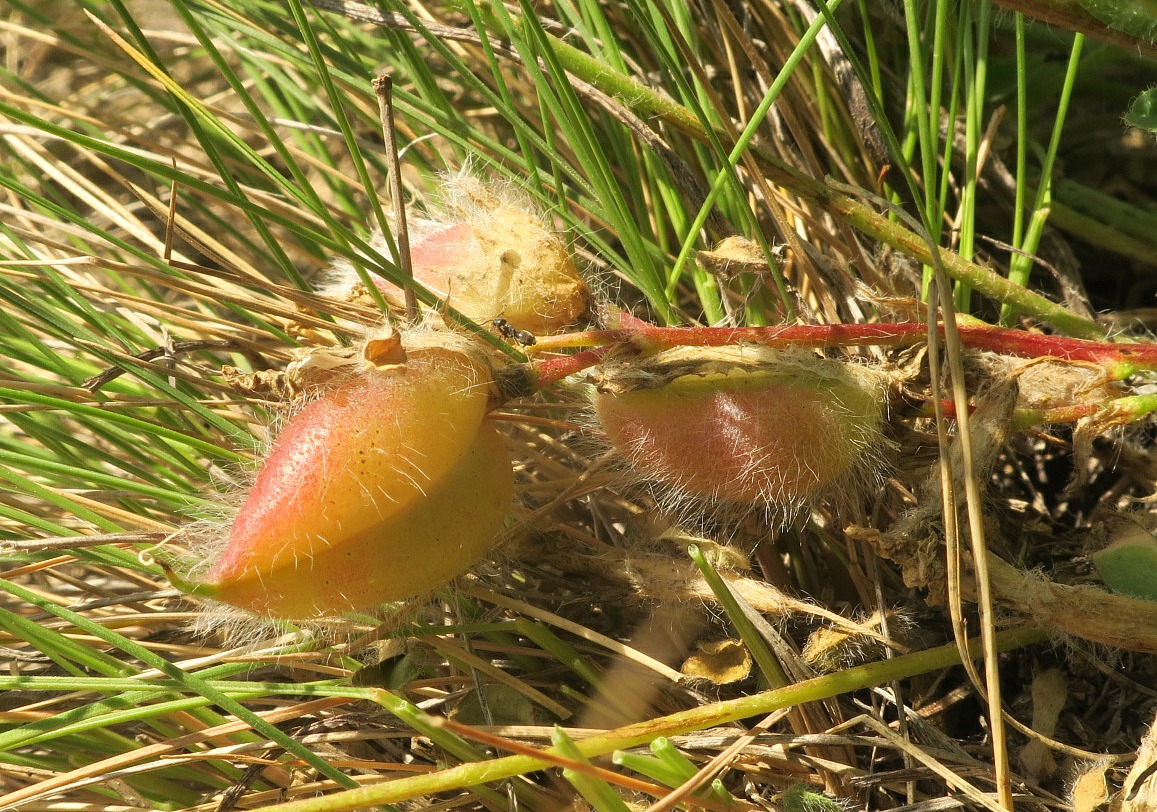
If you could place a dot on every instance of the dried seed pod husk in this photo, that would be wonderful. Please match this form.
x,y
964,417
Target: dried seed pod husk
x,y
745,425
505,264
488,254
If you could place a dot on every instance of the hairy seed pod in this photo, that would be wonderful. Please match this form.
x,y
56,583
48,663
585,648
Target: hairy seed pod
x,y
743,425
506,264
412,552
488,254
386,486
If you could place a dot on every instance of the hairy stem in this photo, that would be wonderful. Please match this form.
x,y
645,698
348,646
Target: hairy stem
x,y
638,338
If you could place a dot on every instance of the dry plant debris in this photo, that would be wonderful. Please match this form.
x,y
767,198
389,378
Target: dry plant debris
x,y
747,614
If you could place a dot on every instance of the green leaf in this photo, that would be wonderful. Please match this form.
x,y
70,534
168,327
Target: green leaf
x,y
1136,17
1143,111
1130,566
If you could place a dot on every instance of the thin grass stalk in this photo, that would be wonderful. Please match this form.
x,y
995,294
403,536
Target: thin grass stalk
x,y
975,32
191,682
687,721
726,174
1020,266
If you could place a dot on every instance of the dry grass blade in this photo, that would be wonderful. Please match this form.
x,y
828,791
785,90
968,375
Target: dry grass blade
x,y
194,263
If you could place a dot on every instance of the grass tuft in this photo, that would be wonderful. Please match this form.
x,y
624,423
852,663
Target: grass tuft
x,y
177,182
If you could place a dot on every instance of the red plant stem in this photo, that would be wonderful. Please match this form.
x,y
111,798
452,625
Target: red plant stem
x,y
639,338
1118,411
1119,360
550,370
1023,418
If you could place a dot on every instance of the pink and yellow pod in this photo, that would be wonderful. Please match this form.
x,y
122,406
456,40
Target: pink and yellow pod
x,y
388,485
745,426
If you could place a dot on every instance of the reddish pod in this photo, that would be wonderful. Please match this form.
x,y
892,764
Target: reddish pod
x,y
744,425
388,485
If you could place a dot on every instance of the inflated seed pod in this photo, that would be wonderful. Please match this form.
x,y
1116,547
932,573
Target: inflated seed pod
x,y
744,425
388,485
